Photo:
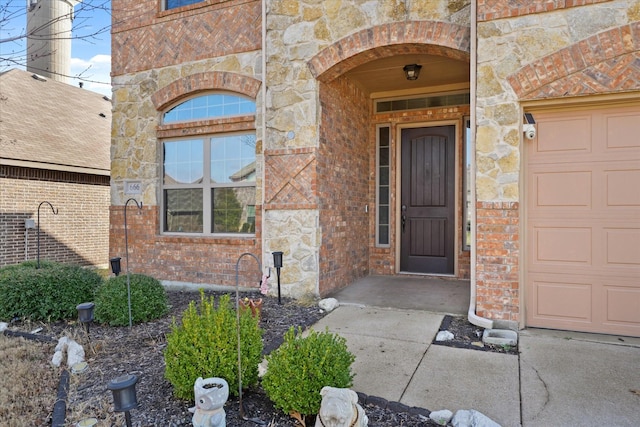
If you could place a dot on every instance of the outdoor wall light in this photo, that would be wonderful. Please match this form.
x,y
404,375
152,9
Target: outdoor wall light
x,y
277,263
124,395
115,265
85,313
412,71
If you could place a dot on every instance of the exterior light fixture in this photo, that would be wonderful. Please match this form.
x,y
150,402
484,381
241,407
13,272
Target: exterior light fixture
x,y
412,71
85,313
115,265
277,263
124,395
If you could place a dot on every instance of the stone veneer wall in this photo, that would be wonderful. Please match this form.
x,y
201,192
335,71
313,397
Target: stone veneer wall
x,y
160,57
535,52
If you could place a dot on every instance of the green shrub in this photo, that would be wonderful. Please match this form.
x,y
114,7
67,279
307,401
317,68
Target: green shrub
x,y
206,345
48,293
301,366
148,300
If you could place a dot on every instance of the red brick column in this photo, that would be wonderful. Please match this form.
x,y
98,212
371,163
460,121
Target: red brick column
x,y
497,269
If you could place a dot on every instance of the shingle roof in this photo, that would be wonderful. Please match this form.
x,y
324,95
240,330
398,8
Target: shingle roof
x,y
53,125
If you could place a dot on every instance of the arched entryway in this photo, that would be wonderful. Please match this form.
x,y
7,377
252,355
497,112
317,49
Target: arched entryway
x,y
387,141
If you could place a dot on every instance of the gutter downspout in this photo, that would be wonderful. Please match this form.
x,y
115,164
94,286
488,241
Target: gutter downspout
x,y
263,110
472,316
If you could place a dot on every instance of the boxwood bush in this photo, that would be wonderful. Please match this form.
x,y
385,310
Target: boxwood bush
x,y
205,345
48,293
301,366
148,300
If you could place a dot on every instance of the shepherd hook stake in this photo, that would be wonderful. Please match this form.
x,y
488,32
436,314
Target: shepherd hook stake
x,y
55,212
126,249
242,414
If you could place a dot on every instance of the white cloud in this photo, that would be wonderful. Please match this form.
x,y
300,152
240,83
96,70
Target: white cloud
x,y
95,73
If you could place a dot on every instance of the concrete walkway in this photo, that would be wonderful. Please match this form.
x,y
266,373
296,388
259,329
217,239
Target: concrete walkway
x,y
558,379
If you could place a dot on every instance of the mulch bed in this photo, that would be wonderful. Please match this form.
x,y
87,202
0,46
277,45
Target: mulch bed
x,y
115,351
469,336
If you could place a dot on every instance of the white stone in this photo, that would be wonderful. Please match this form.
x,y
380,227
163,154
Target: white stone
x,y
441,417
472,418
262,367
3,326
444,336
328,304
73,350
75,353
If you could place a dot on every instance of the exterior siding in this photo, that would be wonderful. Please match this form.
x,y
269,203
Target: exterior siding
x,y
77,235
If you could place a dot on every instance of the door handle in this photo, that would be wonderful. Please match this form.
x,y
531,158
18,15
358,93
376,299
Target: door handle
x,y
403,218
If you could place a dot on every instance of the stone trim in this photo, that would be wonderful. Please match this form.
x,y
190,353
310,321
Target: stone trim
x,y
200,82
423,37
489,10
607,62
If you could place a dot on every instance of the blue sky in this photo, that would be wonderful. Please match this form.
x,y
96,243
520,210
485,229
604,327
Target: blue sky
x,y
90,48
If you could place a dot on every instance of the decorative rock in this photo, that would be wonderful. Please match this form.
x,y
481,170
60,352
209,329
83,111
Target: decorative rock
x,y
262,367
472,418
74,351
328,304
444,336
441,417
3,326
340,408
211,394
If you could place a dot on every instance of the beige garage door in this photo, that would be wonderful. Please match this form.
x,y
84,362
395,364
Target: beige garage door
x,y
583,221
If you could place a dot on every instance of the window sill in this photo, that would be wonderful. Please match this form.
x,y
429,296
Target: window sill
x,y
221,239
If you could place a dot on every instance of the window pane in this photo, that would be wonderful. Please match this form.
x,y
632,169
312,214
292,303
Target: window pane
x,y
233,210
183,210
209,106
172,4
383,232
233,159
183,162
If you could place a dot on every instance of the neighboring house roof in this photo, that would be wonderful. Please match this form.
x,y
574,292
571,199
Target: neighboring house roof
x,y
46,124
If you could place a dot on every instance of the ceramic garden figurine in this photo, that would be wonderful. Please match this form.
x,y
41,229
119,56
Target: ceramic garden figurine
x,y
211,395
340,408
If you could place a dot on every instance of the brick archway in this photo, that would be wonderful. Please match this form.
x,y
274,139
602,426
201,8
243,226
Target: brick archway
x,y
199,82
422,37
607,62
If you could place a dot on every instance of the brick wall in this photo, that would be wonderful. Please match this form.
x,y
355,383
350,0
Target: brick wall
x,y
496,9
78,234
497,270
144,37
207,260
343,183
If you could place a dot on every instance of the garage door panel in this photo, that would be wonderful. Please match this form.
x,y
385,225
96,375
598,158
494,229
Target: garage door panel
x,y
622,130
623,304
582,186
563,189
552,297
623,187
565,134
562,245
623,246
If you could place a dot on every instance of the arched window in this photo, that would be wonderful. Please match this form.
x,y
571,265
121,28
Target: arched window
x,y
210,106
209,181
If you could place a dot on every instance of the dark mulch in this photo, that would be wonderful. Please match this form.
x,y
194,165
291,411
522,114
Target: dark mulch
x,y
469,336
115,351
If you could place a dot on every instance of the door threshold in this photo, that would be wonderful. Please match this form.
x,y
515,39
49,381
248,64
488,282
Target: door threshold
x,y
410,273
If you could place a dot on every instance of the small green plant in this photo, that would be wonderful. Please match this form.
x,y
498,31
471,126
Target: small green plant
x,y
301,366
205,345
48,293
148,300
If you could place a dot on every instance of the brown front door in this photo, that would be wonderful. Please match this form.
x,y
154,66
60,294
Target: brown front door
x,y
427,207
